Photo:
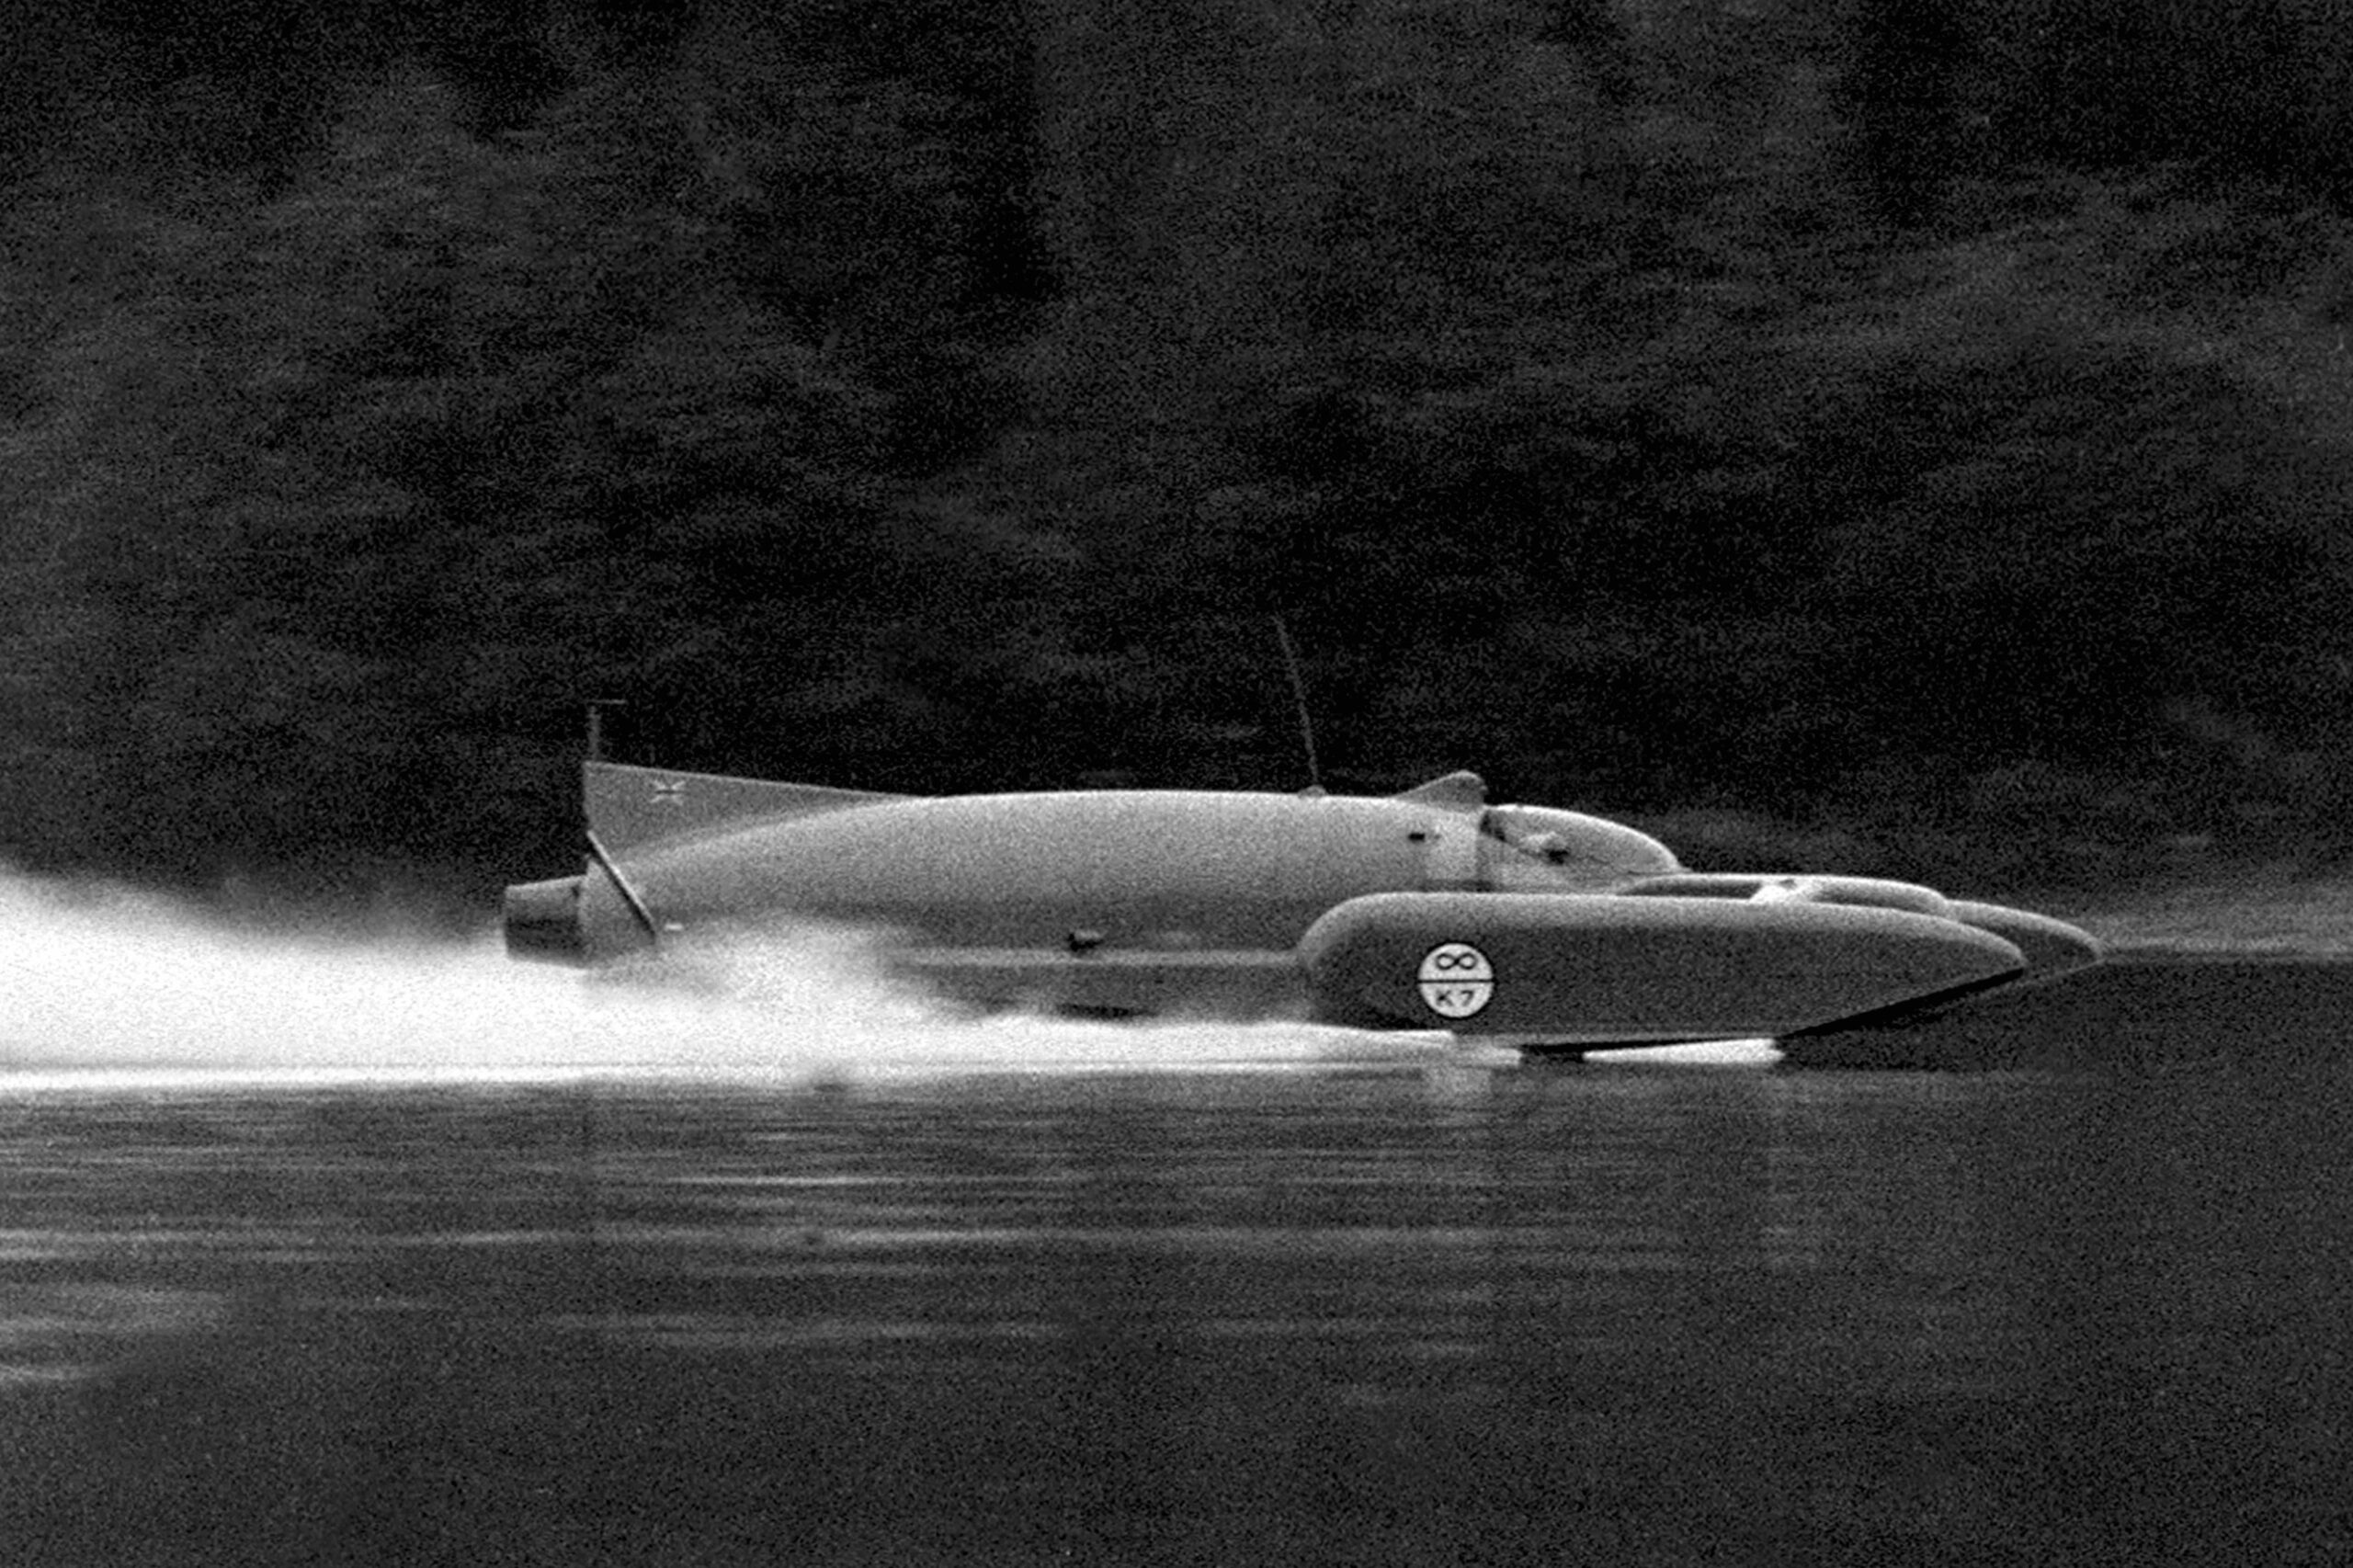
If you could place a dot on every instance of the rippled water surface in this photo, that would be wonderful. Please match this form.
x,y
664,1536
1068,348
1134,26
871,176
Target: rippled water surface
x,y
1022,1292
1404,1314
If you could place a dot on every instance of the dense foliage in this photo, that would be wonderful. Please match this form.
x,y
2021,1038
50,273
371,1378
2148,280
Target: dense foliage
x,y
1916,423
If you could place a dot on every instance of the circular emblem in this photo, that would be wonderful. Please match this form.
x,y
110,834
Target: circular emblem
x,y
1457,979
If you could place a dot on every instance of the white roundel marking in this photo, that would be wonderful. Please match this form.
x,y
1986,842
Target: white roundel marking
x,y
1457,979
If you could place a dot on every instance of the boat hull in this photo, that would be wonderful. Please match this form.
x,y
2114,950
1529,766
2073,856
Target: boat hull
x,y
1539,970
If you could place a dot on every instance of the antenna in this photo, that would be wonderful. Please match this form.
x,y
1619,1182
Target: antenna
x,y
1299,697
596,706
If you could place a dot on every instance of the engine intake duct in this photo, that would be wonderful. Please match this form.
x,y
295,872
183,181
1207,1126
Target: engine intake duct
x,y
541,921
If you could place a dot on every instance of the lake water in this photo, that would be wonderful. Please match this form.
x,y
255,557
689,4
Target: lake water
x,y
363,1256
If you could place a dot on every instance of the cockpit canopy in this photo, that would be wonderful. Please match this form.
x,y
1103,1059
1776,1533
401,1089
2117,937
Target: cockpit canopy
x,y
1537,847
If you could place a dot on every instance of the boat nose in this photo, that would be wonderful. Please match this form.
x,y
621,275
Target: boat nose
x,y
2052,947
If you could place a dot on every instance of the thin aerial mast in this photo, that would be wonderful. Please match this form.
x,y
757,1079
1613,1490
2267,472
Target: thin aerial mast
x,y
596,706
1299,700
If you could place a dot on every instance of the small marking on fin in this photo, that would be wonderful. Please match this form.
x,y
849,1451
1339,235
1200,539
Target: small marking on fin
x,y
1463,790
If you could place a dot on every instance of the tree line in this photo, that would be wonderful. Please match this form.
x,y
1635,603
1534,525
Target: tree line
x,y
1908,423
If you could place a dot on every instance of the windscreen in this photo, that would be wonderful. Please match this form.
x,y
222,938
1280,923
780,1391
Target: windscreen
x,y
1536,849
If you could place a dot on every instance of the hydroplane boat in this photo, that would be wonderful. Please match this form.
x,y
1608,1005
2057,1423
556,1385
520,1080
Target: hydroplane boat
x,y
1545,929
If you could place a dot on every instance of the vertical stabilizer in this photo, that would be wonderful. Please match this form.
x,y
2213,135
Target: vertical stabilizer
x,y
628,807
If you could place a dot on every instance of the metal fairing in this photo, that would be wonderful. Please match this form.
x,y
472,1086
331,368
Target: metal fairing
x,y
1427,909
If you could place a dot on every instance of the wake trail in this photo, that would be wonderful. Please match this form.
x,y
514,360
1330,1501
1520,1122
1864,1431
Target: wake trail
x,y
104,986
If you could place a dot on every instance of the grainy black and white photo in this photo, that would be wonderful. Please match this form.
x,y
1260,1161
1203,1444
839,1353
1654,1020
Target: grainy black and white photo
x,y
1176,782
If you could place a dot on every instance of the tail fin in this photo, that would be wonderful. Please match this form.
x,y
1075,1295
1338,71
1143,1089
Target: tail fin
x,y
629,807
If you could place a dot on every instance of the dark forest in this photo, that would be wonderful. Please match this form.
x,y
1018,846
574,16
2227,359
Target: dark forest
x,y
1909,437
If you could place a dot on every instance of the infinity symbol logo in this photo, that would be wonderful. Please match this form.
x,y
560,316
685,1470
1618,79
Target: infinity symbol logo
x,y
1457,980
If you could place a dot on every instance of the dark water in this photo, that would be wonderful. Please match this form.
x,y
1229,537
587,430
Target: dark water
x,y
1401,1312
